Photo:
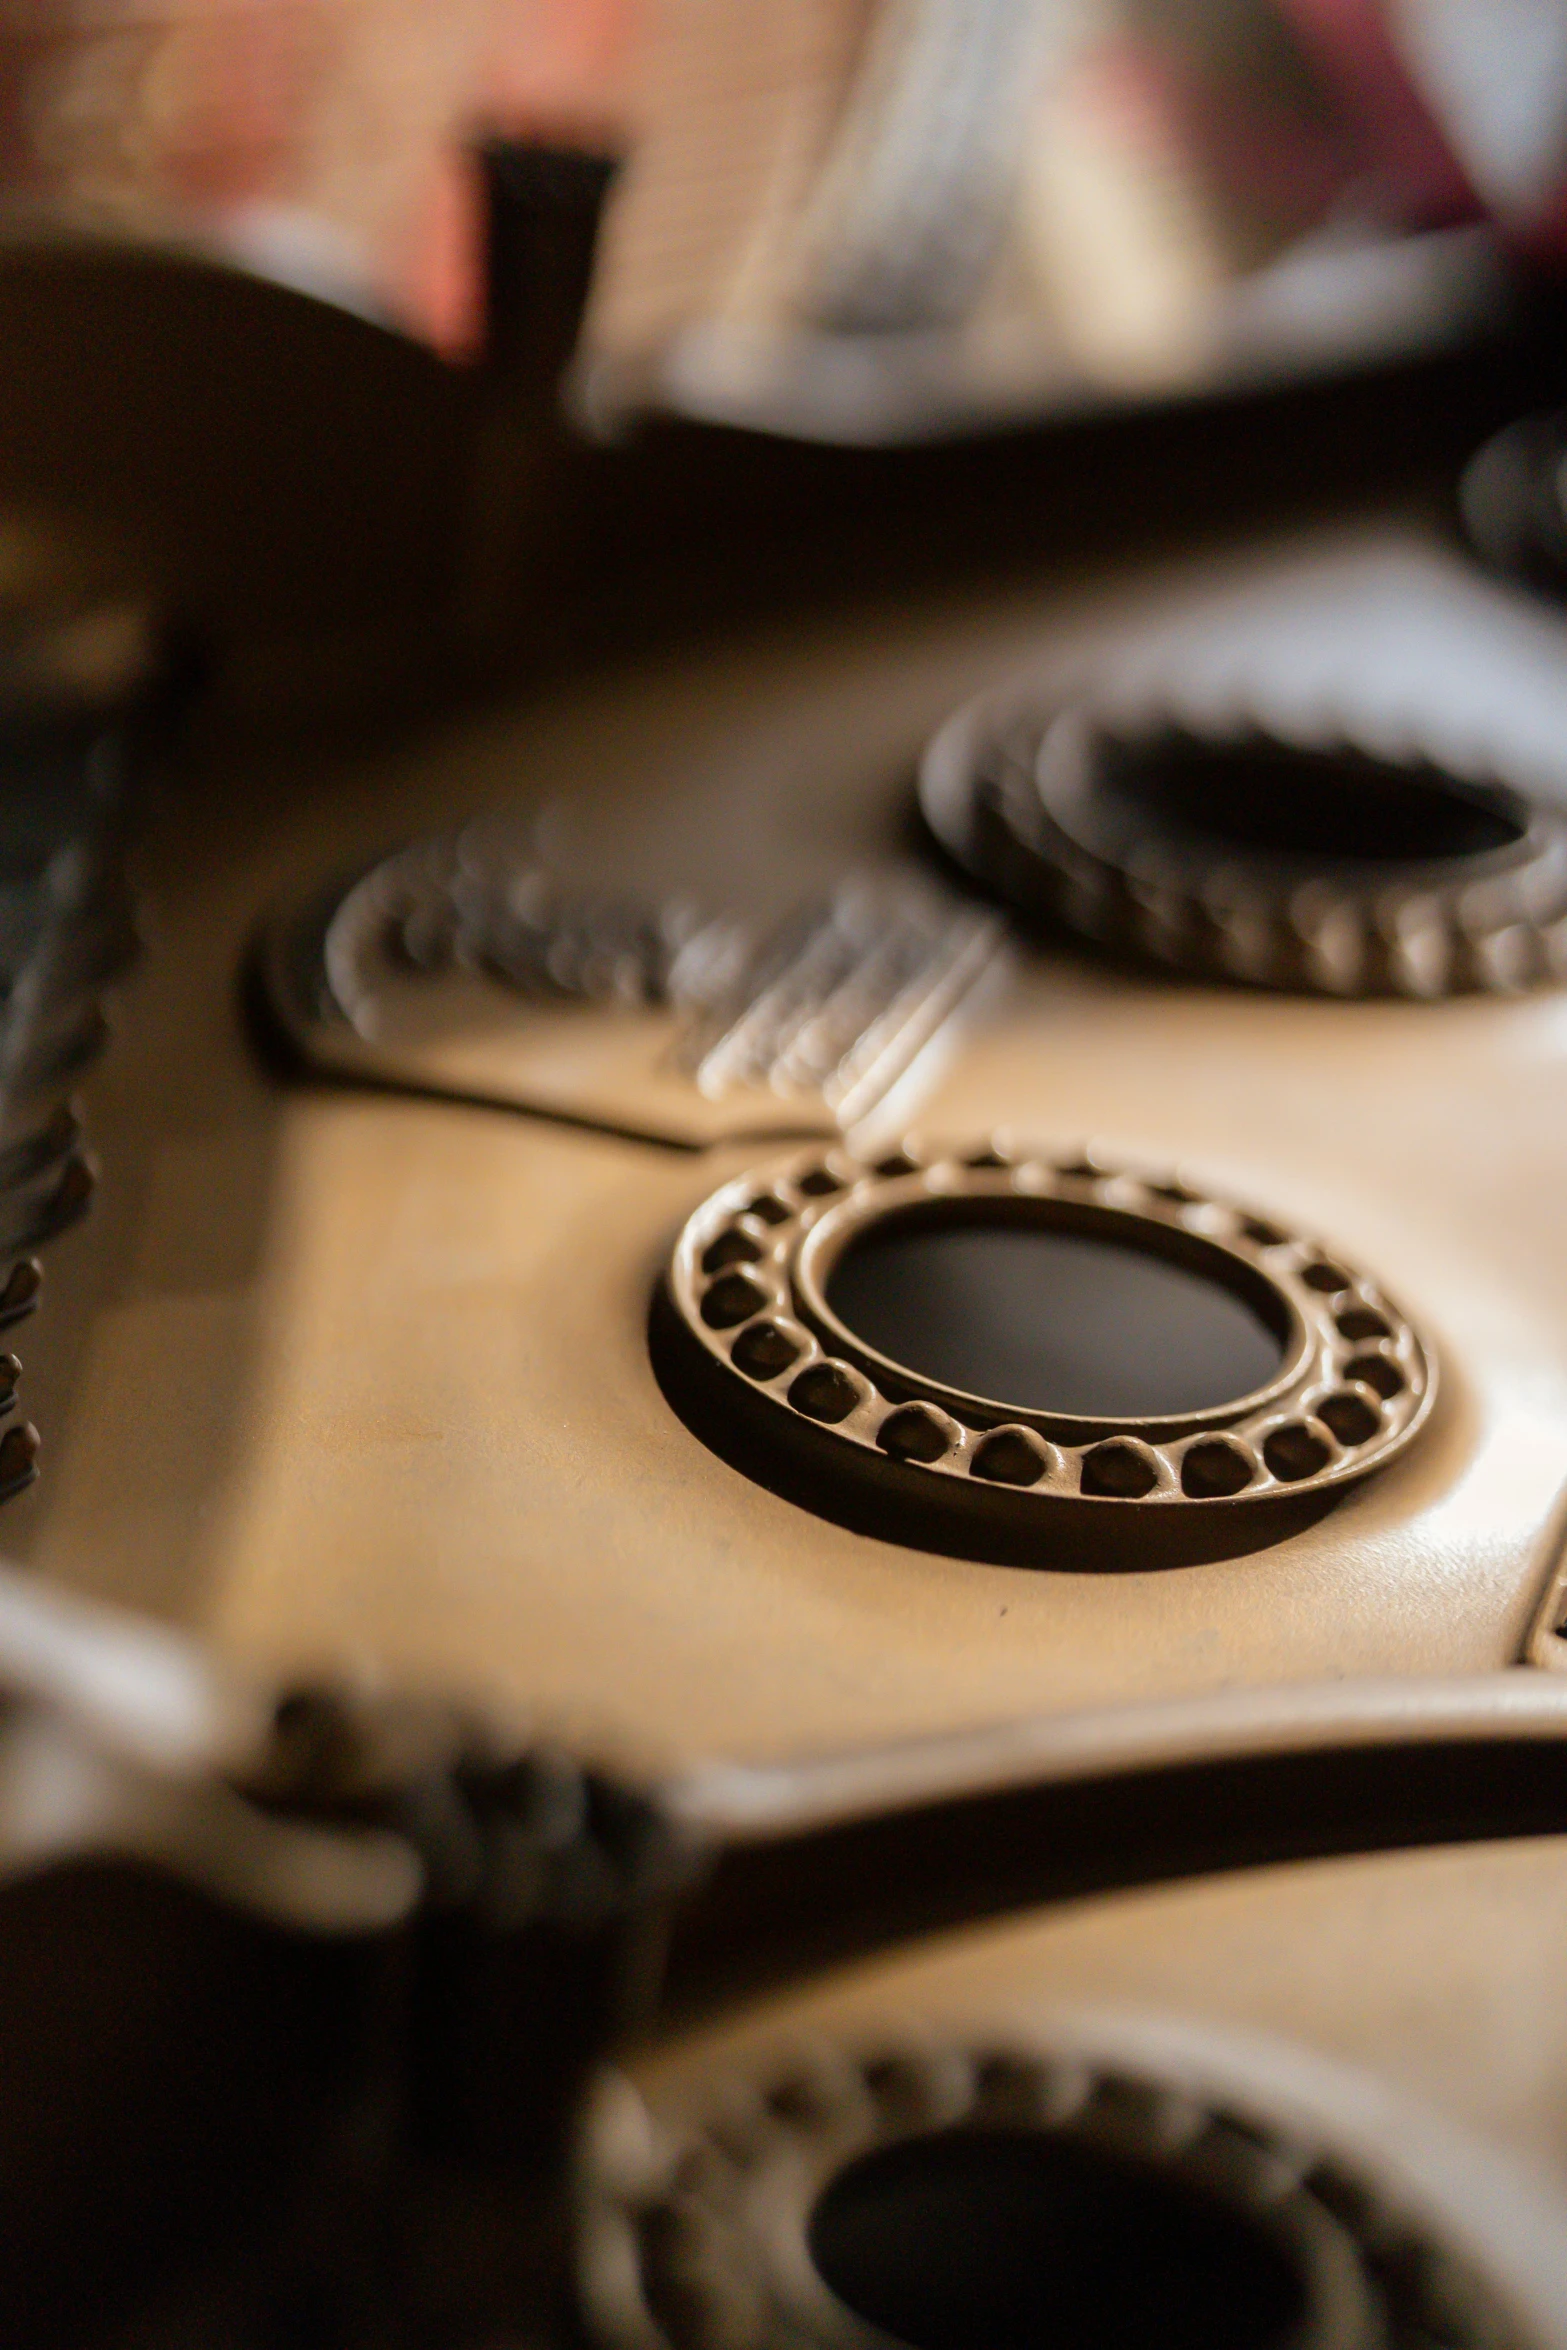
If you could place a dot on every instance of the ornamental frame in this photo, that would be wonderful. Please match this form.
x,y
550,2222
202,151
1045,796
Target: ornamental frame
x,y
748,1281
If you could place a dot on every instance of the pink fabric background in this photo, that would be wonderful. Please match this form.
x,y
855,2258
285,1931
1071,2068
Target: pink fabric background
x,y
345,126
333,138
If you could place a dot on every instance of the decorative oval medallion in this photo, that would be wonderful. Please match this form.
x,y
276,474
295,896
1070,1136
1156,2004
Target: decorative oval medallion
x,y
1034,1357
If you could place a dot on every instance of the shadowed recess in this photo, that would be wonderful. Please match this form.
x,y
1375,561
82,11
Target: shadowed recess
x,y
1339,805
1004,2240
1050,1321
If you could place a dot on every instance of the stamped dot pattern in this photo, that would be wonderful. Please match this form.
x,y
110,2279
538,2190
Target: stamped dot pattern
x,y
1354,1393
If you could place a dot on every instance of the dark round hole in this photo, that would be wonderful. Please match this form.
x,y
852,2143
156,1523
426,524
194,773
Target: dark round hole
x,y
763,1351
1005,2240
1050,1320
730,1248
1360,1322
1377,1372
1340,805
1352,1419
1215,1468
733,1298
770,1208
1295,1451
824,1392
1329,1278
914,1434
819,1183
1118,1469
1009,1456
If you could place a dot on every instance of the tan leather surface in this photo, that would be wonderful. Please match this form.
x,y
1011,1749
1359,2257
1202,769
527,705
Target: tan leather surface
x,y
356,1382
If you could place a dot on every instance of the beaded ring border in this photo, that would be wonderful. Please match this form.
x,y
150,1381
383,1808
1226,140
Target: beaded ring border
x,y
1007,791
747,1280
693,2227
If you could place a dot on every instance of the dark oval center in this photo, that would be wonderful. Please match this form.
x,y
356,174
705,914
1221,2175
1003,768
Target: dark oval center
x,y
999,2240
1070,1322
1340,805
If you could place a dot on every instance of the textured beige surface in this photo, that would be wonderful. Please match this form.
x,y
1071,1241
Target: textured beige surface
x,y
359,1382
1435,1973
